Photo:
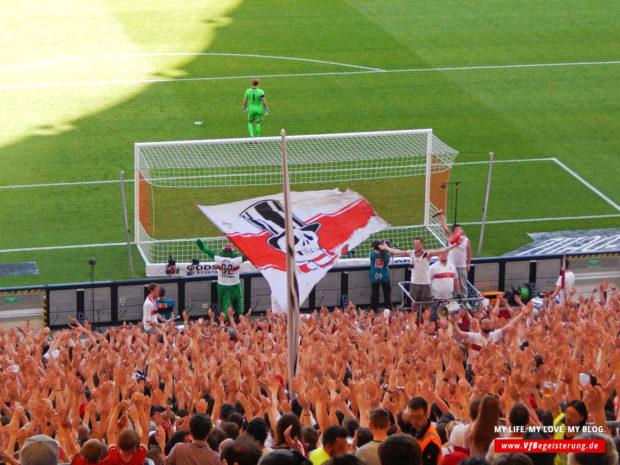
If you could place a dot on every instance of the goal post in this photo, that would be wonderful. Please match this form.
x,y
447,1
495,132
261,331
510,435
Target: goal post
x,y
400,173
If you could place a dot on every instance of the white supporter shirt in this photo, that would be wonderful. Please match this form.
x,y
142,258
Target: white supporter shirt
x,y
275,306
477,341
149,312
569,283
442,280
458,255
421,269
228,270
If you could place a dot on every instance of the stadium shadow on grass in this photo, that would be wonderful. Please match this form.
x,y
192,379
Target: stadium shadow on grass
x,y
100,145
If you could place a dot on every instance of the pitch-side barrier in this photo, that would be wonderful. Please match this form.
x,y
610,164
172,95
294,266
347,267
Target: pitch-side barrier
x,y
112,303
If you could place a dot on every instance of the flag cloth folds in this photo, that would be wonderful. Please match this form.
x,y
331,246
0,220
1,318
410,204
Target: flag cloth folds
x,y
327,223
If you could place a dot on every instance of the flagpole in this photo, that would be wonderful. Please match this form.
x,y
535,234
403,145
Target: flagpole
x,y
292,288
563,274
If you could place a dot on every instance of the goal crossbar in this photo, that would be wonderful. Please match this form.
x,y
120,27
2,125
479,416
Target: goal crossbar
x,y
399,172
241,140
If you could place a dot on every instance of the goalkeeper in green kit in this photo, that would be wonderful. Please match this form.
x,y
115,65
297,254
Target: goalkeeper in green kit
x,y
229,294
254,102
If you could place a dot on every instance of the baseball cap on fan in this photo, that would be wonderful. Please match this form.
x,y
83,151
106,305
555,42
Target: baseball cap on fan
x,y
39,449
457,436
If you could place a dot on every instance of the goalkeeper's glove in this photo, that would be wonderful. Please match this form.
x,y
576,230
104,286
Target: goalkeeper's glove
x,y
200,243
266,110
245,108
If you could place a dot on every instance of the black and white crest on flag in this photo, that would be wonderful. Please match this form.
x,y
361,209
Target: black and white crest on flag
x,y
268,215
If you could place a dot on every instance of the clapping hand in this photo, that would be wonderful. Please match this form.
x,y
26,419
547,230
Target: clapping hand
x,y
292,442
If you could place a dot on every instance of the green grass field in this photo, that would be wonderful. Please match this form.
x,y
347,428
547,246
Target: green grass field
x,y
82,82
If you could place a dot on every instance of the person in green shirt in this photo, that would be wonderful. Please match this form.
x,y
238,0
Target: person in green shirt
x,y
334,443
165,305
380,276
229,293
254,102
575,417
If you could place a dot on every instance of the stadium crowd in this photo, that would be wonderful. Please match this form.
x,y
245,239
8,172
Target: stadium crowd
x,y
371,388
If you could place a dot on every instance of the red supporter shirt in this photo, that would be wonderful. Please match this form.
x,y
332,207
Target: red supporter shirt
x,y
62,457
81,460
114,457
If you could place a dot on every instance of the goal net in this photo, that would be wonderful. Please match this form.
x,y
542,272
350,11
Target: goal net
x,y
400,173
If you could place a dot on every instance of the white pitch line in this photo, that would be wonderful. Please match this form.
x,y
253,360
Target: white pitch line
x,y
559,163
105,244
471,223
62,247
114,181
483,162
534,220
587,184
527,65
60,184
158,81
163,54
266,76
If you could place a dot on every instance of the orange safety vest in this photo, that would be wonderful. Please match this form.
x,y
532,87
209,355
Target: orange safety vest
x,y
430,436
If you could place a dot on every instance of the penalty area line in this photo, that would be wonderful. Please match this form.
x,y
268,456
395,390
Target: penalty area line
x,y
464,223
104,244
115,181
64,247
565,168
587,184
60,184
175,54
285,75
535,220
486,162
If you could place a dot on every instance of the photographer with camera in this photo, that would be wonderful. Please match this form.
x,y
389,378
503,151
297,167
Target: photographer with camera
x,y
380,275
165,305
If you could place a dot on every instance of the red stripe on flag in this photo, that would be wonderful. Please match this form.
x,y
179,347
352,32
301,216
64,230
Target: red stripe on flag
x,y
336,228
339,212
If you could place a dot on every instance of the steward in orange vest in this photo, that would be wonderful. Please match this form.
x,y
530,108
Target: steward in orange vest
x,y
415,421
430,444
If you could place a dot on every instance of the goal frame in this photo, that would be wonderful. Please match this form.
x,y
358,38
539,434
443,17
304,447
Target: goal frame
x,y
155,268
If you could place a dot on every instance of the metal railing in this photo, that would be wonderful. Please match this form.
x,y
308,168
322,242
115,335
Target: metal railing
x,y
112,303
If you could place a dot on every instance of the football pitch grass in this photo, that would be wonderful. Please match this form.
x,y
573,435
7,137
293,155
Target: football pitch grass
x,y
84,81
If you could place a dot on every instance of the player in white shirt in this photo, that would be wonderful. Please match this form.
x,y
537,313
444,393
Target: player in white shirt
x,y
150,317
460,256
420,289
566,288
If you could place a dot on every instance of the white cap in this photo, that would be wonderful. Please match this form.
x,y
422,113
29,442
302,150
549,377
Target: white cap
x,y
457,436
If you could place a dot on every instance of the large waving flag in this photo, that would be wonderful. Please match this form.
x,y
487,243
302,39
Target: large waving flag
x,y
327,223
